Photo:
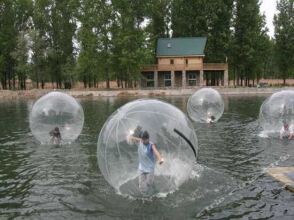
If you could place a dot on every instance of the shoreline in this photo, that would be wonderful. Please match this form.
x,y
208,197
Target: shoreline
x,y
36,93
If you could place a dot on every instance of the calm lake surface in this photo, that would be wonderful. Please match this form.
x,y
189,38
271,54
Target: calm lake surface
x,y
49,182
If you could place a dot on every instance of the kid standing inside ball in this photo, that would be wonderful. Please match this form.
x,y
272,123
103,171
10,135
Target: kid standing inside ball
x,y
147,151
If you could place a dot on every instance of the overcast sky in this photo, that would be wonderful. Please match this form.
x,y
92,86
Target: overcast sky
x,y
269,8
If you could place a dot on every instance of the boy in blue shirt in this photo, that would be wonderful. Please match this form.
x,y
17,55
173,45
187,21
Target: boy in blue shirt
x,y
147,151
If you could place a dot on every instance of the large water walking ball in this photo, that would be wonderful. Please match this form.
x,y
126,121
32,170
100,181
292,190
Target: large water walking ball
x,y
276,111
53,112
169,129
205,105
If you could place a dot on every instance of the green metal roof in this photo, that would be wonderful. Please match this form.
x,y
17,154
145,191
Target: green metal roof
x,y
186,46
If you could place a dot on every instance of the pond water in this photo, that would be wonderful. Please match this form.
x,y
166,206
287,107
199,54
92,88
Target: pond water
x,y
49,182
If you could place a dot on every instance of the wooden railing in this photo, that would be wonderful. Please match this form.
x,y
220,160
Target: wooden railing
x,y
187,67
174,67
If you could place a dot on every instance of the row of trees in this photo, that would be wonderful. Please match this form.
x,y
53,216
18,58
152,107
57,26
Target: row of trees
x,y
65,41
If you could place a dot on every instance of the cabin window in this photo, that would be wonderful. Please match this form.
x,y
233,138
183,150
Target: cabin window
x,y
192,79
187,61
149,79
150,76
167,79
171,61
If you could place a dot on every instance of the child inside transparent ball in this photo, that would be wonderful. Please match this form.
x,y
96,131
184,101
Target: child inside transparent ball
x,y
147,151
287,131
56,136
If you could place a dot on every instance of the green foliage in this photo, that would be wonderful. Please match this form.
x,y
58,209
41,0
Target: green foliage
x,y
250,41
64,41
284,35
14,18
94,37
158,13
20,55
38,49
55,21
202,18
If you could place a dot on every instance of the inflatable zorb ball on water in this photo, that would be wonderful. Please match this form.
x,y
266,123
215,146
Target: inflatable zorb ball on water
x,y
205,106
168,128
56,110
277,110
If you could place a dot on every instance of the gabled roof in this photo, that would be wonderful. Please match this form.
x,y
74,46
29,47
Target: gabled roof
x,y
186,46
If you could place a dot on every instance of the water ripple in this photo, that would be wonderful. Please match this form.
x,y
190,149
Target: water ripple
x,y
48,182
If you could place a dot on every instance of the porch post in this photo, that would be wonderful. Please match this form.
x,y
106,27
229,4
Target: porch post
x,y
201,83
155,79
184,79
172,79
226,78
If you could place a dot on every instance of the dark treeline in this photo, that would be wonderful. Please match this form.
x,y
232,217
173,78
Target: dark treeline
x,y
66,41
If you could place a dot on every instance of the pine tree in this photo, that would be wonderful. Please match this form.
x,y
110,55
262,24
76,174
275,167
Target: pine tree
x,y
158,14
130,49
249,32
284,36
190,18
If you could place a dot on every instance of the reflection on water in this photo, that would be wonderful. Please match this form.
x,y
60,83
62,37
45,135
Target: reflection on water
x,y
49,182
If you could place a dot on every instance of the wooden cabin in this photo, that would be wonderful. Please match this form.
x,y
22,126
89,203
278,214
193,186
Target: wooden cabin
x,y
180,64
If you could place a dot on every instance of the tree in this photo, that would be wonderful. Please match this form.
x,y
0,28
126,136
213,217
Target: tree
x,y
130,49
95,42
211,19
284,37
14,18
189,18
219,33
56,22
38,49
20,55
248,40
158,18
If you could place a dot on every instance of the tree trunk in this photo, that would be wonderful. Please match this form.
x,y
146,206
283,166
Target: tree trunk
x,y
13,82
18,83
85,82
107,84
24,83
42,84
94,83
89,82
4,86
60,83
234,77
37,79
107,78
9,82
